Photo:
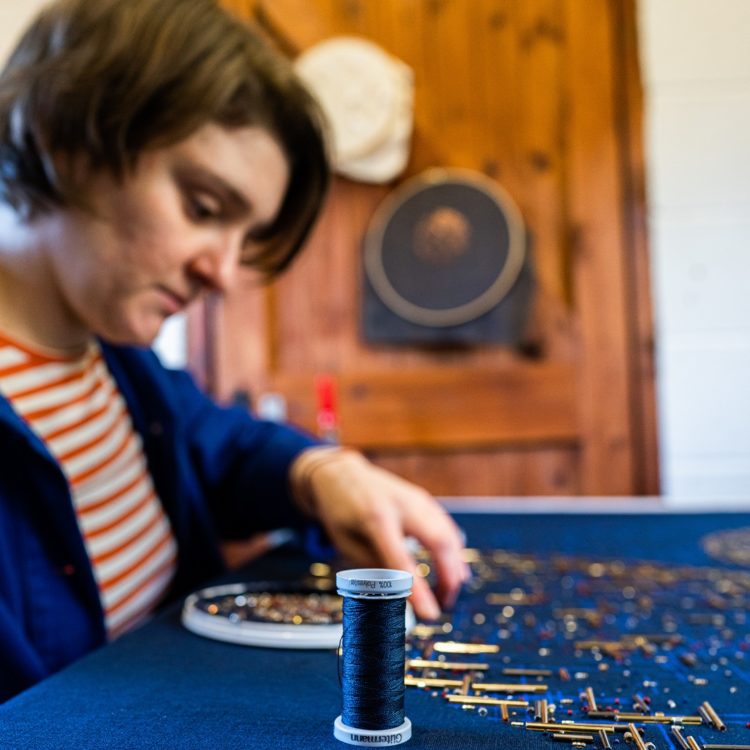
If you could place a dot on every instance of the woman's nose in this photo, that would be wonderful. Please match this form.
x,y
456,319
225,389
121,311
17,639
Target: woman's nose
x,y
216,263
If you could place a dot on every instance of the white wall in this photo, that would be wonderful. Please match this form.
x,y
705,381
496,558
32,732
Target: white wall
x,y
14,15
696,69
171,344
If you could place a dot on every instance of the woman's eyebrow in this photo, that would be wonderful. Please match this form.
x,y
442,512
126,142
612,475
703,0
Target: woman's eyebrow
x,y
211,180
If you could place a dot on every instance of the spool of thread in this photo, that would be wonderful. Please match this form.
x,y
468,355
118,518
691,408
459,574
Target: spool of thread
x,y
372,662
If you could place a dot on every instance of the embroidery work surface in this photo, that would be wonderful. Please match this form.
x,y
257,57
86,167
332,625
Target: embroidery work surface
x,y
601,645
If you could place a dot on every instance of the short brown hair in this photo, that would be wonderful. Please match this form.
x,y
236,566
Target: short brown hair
x,y
109,79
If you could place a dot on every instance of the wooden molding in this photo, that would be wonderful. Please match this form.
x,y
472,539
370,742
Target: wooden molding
x,y
444,408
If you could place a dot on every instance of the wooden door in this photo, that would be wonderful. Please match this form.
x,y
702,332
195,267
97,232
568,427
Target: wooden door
x,y
543,96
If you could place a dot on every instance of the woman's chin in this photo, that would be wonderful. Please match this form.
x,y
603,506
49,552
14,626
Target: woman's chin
x,y
142,334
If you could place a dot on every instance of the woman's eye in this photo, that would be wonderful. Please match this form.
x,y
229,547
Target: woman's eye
x,y
203,208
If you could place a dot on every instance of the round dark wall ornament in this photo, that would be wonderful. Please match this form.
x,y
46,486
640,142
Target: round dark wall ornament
x,y
444,249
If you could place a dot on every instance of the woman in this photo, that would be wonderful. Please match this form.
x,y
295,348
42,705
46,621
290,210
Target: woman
x,y
148,147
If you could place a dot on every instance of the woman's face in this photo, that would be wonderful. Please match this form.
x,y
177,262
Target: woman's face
x,y
170,231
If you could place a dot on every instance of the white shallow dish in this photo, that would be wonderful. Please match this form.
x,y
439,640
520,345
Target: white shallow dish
x,y
250,632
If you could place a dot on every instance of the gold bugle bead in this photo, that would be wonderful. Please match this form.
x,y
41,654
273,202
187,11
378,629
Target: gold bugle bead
x,y
485,701
635,735
509,687
514,599
561,737
658,718
540,710
456,666
409,680
465,684
574,726
713,716
454,647
677,733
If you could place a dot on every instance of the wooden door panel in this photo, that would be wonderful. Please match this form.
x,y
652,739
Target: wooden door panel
x,y
543,96
490,472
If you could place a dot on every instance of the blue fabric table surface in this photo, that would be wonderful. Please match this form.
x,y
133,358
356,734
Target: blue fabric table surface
x,y
164,687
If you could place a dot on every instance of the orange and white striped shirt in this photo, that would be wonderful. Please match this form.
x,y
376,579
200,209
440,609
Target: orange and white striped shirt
x,y
76,408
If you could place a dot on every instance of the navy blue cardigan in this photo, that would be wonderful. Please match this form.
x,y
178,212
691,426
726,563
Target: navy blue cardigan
x,y
220,474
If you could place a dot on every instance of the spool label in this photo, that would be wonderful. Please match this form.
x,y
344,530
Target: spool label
x,y
372,737
380,739
373,585
374,582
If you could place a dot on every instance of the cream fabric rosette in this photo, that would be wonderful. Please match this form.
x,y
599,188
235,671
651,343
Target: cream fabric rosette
x,y
368,98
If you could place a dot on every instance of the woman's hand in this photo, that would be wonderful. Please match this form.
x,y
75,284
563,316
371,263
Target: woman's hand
x,y
368,512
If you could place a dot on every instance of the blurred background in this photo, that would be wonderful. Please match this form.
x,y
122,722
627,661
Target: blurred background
x,y
618,362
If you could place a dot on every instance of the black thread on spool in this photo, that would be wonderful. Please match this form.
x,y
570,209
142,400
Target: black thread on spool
x,y
372,664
